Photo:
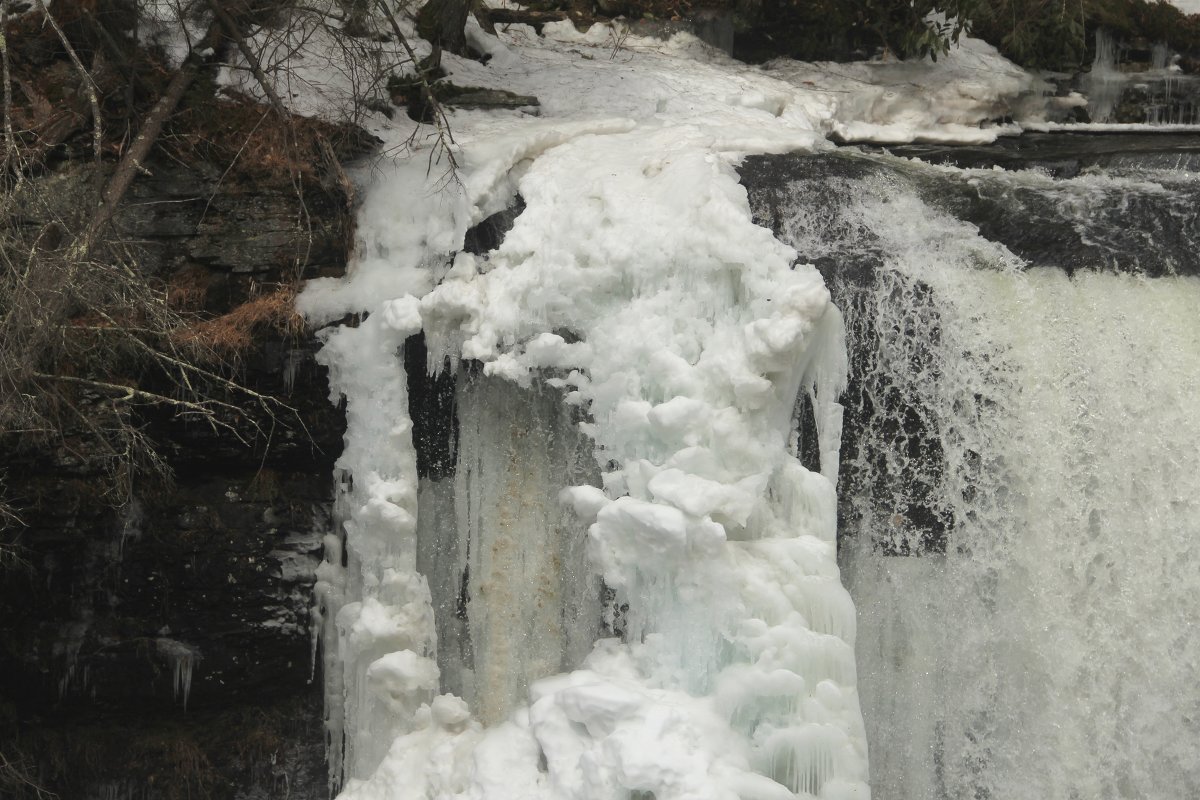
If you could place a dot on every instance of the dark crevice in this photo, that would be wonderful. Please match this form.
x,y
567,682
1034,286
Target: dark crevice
x,y
432,410
489,233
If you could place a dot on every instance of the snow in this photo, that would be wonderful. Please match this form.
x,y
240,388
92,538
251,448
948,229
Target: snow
x,y
1108,127
947,101
692,333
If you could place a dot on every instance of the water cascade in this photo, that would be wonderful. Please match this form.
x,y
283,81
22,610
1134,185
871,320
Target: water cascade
x,y
1105,81
1018,501
1150,91
596,380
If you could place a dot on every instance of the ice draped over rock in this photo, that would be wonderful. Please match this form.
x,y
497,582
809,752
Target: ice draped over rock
x,y
635,285
636,278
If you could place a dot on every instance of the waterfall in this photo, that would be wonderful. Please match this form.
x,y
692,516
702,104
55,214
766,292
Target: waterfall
x,y
612,571
1047,648
583,559
1156,92
1018,497
1104,81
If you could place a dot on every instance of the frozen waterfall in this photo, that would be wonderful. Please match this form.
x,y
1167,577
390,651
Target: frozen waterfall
x,y
596,379
578,556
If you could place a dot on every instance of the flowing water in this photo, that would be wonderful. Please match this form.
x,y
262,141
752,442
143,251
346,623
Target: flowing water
x,y
1138,87
1019,497
1016,515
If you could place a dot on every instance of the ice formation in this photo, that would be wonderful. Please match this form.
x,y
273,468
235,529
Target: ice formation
x,y
181,658
691,337
635,284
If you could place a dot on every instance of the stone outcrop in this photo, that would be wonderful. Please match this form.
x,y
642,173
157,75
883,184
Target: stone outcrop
x,y
161,648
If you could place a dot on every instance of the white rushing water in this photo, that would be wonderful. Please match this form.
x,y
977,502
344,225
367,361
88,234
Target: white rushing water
x,y
1105,81
1046,646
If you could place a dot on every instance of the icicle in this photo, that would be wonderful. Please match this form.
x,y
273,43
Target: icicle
x,y
181,659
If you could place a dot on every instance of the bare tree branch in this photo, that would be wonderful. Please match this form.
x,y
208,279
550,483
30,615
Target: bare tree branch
x,y
131,162
88,83
10,138
445,137
204,409
235,33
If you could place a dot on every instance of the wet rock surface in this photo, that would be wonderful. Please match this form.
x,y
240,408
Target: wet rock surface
x,y
1104,203
161,648
1126,204
1066,155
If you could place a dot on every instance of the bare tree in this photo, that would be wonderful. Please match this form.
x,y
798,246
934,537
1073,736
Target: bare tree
x,y
443,23
87,342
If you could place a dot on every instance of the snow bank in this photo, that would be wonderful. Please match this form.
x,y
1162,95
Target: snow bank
x,y
956,99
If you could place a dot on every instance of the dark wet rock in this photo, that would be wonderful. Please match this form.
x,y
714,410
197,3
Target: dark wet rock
x,y
1148,225
1065,155
162,648
1111,203
471,97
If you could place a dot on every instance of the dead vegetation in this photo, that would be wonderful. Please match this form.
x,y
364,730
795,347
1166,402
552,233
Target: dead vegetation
x,y
231,335
91,347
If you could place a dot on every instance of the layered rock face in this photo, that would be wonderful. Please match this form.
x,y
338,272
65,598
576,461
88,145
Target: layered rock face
x,y
162,648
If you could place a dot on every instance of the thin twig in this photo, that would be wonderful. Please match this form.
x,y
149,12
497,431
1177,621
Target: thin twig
x,y
234,33
88,82
13,774
10,138
440,121
205,409
131,162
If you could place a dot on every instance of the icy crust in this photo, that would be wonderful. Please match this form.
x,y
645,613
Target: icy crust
x,y
606,71
375,612
686,333
957,99
688,337
636,282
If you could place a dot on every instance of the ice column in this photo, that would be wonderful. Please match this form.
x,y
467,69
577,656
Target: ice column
x,y
685,335
373,604
680,334
1104,81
